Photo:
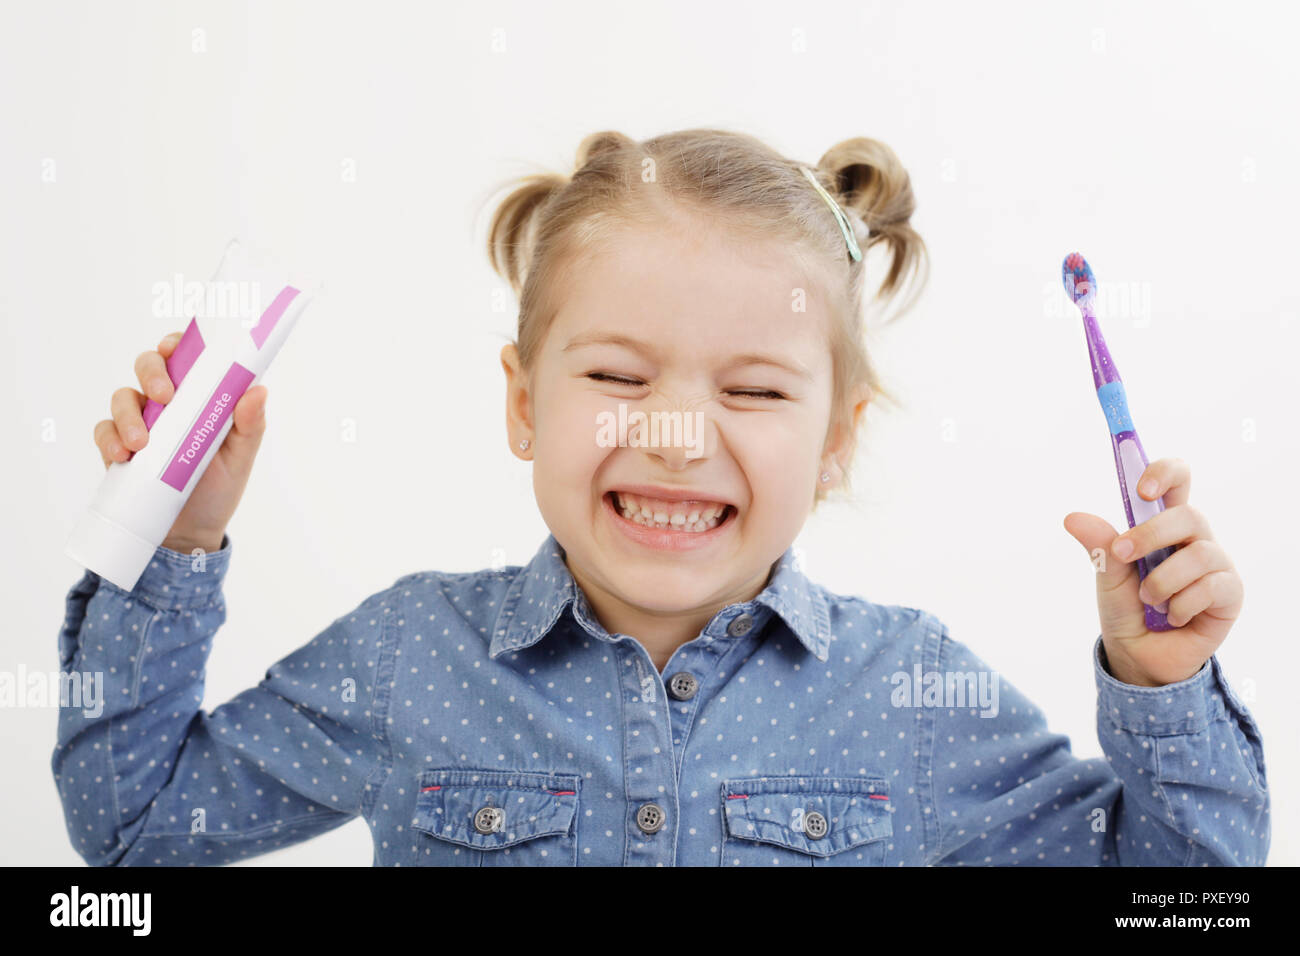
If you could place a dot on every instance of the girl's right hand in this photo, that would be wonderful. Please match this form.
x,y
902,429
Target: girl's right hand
x,y
202,522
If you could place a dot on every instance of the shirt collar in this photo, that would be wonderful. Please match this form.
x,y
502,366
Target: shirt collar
x,y
545,587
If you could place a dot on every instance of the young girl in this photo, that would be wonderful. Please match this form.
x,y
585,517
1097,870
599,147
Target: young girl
x,y
661,685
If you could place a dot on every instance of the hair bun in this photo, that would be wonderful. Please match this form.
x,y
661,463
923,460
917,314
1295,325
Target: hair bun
x,y
597,144
870,179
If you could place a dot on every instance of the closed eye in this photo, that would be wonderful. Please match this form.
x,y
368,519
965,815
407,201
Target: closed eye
x,y
614,379
760,393
756,393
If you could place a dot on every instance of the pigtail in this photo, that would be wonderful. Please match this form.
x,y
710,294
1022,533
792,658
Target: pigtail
x,y
512,233
870,182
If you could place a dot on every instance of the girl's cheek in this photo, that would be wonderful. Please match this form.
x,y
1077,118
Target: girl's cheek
x,y
569,421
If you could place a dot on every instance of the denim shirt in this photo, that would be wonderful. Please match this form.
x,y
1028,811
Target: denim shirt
x,y
488,719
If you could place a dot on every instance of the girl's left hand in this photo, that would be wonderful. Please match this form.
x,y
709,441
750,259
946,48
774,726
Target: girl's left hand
x,y
1199,581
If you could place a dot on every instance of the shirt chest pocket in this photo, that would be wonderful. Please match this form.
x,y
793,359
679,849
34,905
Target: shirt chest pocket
x,y
806,821
467,817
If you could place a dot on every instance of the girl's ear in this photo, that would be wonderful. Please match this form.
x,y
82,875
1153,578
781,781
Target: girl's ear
x,y
519,404
839,438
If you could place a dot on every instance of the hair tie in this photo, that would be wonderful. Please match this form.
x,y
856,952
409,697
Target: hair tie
x,y
840,218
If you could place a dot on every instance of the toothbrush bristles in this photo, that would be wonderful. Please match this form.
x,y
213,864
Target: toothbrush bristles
x,y
1078,279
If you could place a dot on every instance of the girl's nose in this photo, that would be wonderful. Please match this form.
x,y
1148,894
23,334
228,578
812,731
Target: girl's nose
x,y
676,435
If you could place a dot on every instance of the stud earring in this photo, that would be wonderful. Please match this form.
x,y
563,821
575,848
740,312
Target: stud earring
x,y
826,476
523,445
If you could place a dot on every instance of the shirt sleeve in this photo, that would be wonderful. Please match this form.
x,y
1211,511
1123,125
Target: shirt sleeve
x,y
1182,782
148,778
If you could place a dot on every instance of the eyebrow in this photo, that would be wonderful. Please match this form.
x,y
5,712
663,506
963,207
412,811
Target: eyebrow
x,y
648,350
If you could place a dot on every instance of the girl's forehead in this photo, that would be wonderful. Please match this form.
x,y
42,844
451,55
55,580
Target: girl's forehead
x,y
697,292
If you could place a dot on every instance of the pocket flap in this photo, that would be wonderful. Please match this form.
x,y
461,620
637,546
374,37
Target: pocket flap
x,y
853,811
520,805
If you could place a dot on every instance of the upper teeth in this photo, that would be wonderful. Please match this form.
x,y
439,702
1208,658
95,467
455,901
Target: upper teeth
x,y
658,513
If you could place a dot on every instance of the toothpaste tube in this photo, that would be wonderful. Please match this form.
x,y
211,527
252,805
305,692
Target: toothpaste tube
x,y
247,311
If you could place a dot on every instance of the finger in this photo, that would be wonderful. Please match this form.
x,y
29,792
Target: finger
x,y
248,426
126,405
1172,526
1220,591
168,344
151,370
250,412
1182,569
1173,480
109,442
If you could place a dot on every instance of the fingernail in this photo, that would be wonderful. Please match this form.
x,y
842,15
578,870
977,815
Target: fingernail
x,y
1122,548
1148,487
158,387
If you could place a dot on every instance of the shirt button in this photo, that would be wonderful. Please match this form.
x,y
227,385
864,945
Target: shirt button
x,y
488,819
814,824
650,818
741,625
683,685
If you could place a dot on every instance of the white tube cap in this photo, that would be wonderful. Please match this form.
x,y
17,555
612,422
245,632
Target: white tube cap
x,y
109,550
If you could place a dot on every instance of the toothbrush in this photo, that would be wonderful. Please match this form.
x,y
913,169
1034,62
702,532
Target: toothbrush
x,y
1130,459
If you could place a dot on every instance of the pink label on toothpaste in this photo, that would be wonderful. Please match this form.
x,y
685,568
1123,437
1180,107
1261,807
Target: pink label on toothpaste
x,y
179,363
201,438
266,324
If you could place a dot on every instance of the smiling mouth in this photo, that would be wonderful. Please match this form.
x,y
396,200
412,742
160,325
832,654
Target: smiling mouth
x,y
688,517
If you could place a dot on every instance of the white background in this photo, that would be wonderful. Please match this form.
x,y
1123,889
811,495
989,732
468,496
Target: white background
x,y
1157,139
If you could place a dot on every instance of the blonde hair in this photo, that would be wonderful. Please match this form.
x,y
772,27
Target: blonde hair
x,y
547,220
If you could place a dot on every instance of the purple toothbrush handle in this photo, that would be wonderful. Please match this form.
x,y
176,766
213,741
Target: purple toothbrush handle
x,y
1130,462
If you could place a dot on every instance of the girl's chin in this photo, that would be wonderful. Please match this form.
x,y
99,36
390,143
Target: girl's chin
x,y
662,597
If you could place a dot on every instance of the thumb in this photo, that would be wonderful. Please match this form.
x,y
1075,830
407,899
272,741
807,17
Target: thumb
x,y
1096,535
249,423
1119,609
